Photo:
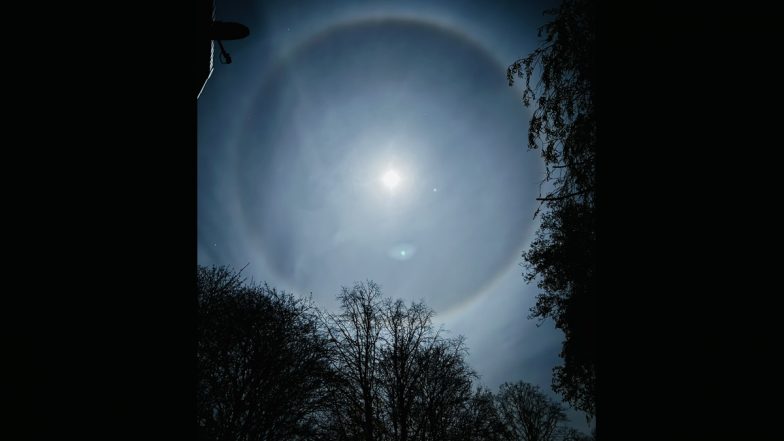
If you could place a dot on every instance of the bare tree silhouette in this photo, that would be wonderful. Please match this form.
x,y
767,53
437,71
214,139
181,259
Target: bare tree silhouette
x,y
262,363
398,377
527,414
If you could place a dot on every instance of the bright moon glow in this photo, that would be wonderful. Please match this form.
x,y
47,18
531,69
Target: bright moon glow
x,y
391,179
402,251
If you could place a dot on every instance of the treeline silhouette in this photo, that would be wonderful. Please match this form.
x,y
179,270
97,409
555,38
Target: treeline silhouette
x,y
558,77
272,366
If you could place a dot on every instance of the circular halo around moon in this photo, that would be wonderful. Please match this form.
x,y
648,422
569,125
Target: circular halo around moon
x,y
313,160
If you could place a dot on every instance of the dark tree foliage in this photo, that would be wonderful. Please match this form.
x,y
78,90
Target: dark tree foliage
x,y
571,434
262,363
354,336
407,338
272,367
527,414
397,378
559,84
479,420
444,390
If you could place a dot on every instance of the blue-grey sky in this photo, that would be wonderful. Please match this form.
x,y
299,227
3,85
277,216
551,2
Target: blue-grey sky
x,y
354,140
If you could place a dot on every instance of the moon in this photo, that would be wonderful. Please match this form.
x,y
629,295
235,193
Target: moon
x,y
391,179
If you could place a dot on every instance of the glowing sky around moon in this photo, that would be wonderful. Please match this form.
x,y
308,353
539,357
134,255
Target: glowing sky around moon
x,y
325,137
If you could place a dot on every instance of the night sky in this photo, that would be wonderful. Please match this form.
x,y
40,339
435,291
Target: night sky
x,y
354,140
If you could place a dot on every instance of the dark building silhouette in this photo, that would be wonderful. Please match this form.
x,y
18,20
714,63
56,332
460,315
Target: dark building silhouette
x,y
212,31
